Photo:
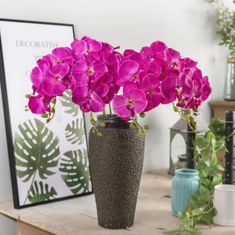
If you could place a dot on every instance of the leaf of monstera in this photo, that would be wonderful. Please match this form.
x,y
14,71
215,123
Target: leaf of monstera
x,y
70,107
74,169
36,150
40,192
74,131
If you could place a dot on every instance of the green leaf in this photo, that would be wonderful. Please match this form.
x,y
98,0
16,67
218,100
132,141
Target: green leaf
x,y
69,106
75,132
217,127
200,141
74,170
214,162
40,192
36,150
173,232
146,127
44,115
133,126
220,167
176,109
210,136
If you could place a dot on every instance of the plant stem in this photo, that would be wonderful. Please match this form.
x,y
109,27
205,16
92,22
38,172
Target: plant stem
x,y
141,131
30,187
94,125
230,135
110,109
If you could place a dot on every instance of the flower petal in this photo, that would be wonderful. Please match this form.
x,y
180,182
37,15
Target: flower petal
x,y
168,89
96,103
51,87
127,69
63,55
155,67
80,94
99,69
154,101
36,77
120,108
93,45
37,105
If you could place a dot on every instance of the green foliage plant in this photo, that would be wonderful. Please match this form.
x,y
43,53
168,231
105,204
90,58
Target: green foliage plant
x,y
200,208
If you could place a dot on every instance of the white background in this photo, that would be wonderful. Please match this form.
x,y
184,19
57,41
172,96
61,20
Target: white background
x,y
186,25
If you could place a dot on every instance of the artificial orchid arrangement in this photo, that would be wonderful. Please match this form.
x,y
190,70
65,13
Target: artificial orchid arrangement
x,y
131,83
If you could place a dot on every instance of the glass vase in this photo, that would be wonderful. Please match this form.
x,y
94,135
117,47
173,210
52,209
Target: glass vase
x,y
229,87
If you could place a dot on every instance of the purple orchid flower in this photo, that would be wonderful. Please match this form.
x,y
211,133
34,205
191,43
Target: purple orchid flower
x,y
132,102
94,72
85,47
151,87
89,100
130,71
39,104
83,73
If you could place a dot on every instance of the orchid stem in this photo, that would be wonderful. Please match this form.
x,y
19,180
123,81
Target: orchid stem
x,y
110,109
94,125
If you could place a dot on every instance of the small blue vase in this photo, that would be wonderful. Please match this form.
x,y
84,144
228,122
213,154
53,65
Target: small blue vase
x,y
184,184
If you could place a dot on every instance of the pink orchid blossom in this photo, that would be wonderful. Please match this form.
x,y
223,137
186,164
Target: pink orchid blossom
x,y
128,71
151,87
39,104
197,93
85,47
89,100
132,102
95,71
83,73
158,49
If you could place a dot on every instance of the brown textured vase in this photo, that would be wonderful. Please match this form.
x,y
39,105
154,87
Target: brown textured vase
x,y
116,162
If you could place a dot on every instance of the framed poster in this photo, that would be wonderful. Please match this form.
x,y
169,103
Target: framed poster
x,y
48,161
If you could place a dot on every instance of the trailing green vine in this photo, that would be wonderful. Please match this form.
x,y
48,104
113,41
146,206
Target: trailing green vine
x,y
200,208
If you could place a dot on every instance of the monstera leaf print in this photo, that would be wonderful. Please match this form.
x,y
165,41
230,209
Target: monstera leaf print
x,y
40,192
75,171
36,150
74,131
69,106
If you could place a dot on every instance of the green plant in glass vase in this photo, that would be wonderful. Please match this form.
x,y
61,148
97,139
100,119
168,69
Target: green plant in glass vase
x,y
225,25
200,208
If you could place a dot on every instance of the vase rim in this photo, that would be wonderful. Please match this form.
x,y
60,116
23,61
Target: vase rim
x,y
111,117
231,59
186,172
225,187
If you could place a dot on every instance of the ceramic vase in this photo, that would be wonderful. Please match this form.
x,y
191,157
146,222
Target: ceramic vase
x,y
116,161
184,184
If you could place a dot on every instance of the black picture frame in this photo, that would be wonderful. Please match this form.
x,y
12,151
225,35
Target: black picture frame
x,y
8,126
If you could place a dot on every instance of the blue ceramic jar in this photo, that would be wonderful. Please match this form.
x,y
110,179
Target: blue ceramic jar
x,y
184,184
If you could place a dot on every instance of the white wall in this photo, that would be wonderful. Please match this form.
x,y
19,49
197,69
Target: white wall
x,y
186,25
7,226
